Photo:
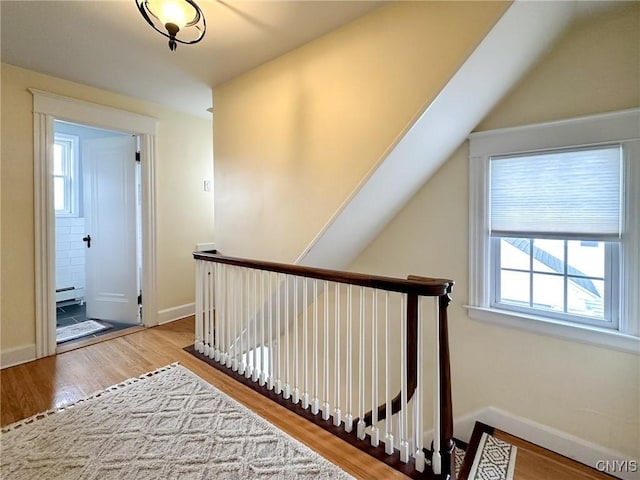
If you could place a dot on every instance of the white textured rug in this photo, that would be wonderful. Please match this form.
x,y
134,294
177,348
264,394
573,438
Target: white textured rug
x,y
77,330
167,424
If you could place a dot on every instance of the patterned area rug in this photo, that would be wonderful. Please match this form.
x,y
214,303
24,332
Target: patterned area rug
x,y
82,329
494,460
458,459
167,424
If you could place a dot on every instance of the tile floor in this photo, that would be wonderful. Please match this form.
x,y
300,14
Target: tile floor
x,y
75,313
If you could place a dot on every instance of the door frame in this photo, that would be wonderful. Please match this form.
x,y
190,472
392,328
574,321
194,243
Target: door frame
x,y
48,107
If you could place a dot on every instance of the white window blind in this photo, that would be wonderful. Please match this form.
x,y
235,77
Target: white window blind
x,y
562,194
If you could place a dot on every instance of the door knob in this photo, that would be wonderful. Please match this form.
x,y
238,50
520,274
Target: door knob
x,y
88,240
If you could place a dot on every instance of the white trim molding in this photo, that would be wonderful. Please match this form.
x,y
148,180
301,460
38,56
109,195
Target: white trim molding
x,y
48,107
621,127
607,127
15,356
556,328
172,314
92,114
571,446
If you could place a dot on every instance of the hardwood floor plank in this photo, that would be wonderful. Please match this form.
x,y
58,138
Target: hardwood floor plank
x,y
535,463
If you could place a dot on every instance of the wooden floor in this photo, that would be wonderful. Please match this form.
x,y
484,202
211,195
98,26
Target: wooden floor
x,y
56,381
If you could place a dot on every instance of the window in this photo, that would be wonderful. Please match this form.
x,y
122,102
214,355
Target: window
x,y
554,228
65,177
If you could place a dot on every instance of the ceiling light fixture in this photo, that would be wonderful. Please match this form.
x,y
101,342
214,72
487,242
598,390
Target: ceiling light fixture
x,y
180,21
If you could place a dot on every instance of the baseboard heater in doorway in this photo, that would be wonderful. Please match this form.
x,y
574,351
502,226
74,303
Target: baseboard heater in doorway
x,y
69,294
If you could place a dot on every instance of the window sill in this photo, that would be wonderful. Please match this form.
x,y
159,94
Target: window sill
x,y
556,328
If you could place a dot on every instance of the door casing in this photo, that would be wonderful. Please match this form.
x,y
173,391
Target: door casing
x,y
48,107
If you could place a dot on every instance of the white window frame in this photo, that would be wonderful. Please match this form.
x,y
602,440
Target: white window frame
x,y
617,127
71,143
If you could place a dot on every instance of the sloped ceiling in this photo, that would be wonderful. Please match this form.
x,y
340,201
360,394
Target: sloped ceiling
x,y
525,32
107,44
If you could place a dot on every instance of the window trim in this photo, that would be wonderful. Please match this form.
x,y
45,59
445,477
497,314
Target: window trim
x,y
72,178
615,127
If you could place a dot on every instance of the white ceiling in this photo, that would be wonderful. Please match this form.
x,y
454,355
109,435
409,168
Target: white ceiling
x,y
107,44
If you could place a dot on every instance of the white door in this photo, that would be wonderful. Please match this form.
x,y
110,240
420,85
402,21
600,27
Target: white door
x,y
110,237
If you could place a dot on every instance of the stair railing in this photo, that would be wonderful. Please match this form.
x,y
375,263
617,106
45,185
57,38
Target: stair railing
x,y
333,347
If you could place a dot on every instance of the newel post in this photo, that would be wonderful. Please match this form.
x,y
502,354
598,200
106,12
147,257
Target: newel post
x,y
447,443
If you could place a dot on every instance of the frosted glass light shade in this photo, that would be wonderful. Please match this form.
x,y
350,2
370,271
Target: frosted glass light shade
x,y
181,21
178,12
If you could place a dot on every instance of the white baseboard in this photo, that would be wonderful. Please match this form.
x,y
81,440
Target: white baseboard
x,y
557,441
176,313
15,356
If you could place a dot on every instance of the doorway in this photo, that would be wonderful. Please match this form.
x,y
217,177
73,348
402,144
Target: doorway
x,y
48,107
97,204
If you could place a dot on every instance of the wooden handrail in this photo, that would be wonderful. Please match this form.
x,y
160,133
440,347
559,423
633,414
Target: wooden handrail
x,y
432,287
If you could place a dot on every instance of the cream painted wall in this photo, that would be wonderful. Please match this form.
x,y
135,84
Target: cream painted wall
x,y
294,137
590,392
184,210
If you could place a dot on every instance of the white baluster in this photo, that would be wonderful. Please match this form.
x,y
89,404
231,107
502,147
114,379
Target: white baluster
x,y
217,313
402,430
270,378
337,414
315,402
375,433
212,306
263,372
199,306
278,369
287,379
361,425
248,312
348,419
224,320
233,343
305,343
417,402
326,408
388,425
207,309
256,312
436,460
296,344
241,314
